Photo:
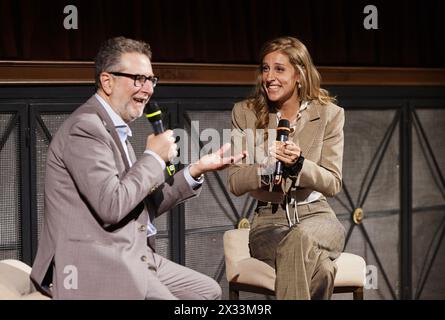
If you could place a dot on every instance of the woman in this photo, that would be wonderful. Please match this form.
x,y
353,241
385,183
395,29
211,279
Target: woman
x,y
294,229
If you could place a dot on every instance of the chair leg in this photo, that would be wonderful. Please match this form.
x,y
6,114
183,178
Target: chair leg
x,y
358,293
233,293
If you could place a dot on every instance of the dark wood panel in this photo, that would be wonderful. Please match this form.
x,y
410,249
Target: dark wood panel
x,y
68,72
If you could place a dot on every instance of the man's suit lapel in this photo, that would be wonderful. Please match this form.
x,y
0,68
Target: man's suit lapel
x,y
131,152
108,123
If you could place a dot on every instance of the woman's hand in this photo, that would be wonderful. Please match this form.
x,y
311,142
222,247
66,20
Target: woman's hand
x,y
287,152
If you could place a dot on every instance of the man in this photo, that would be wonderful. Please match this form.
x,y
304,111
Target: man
x,y
100,200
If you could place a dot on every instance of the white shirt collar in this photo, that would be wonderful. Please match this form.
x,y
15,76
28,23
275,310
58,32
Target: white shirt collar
x,y
303,106
119,124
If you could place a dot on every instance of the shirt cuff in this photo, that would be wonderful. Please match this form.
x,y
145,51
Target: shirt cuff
x,y
194,184
157,157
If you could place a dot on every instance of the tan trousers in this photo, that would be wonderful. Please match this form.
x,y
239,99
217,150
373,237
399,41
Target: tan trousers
x,y
171,281
301,255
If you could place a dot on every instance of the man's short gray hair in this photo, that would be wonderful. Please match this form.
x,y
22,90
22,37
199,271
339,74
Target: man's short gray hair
x,y
110,53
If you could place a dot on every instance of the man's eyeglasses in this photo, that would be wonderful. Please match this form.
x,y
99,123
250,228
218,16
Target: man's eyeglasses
x,y
139,79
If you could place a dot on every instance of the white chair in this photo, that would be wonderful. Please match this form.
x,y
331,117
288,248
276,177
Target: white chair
x,y
15,283
245,273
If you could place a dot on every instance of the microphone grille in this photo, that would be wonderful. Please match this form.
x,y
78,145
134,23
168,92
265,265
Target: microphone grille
x,y
153,112
284,123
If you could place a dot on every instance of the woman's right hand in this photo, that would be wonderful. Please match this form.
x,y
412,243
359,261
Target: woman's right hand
x,y
287,152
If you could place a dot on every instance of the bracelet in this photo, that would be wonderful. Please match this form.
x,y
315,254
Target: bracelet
x,y
266,180
200,178
296,167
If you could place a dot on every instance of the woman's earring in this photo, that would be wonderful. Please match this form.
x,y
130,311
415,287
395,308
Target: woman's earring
x,y
299,85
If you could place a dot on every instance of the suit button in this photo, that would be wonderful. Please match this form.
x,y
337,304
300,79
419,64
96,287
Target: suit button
x,y
143,228
152,268
144,258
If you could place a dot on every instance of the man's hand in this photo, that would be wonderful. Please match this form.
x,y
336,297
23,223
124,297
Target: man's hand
x,y
163,144
215,161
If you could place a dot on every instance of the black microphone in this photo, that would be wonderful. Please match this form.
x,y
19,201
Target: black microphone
x,y
154,116
283,130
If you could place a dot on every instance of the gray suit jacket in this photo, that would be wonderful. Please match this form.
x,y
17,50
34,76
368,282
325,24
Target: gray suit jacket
x,y
97,209
319,134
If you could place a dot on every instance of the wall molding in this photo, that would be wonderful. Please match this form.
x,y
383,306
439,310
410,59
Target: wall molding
x,y
69,72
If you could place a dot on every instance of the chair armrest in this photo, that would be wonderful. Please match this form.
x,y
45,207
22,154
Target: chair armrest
x,y
236,249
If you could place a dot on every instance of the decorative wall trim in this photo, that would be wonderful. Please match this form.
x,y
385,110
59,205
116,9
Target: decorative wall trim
x,y
69,72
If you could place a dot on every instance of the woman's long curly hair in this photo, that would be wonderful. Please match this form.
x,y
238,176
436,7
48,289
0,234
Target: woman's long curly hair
x,y
310,79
